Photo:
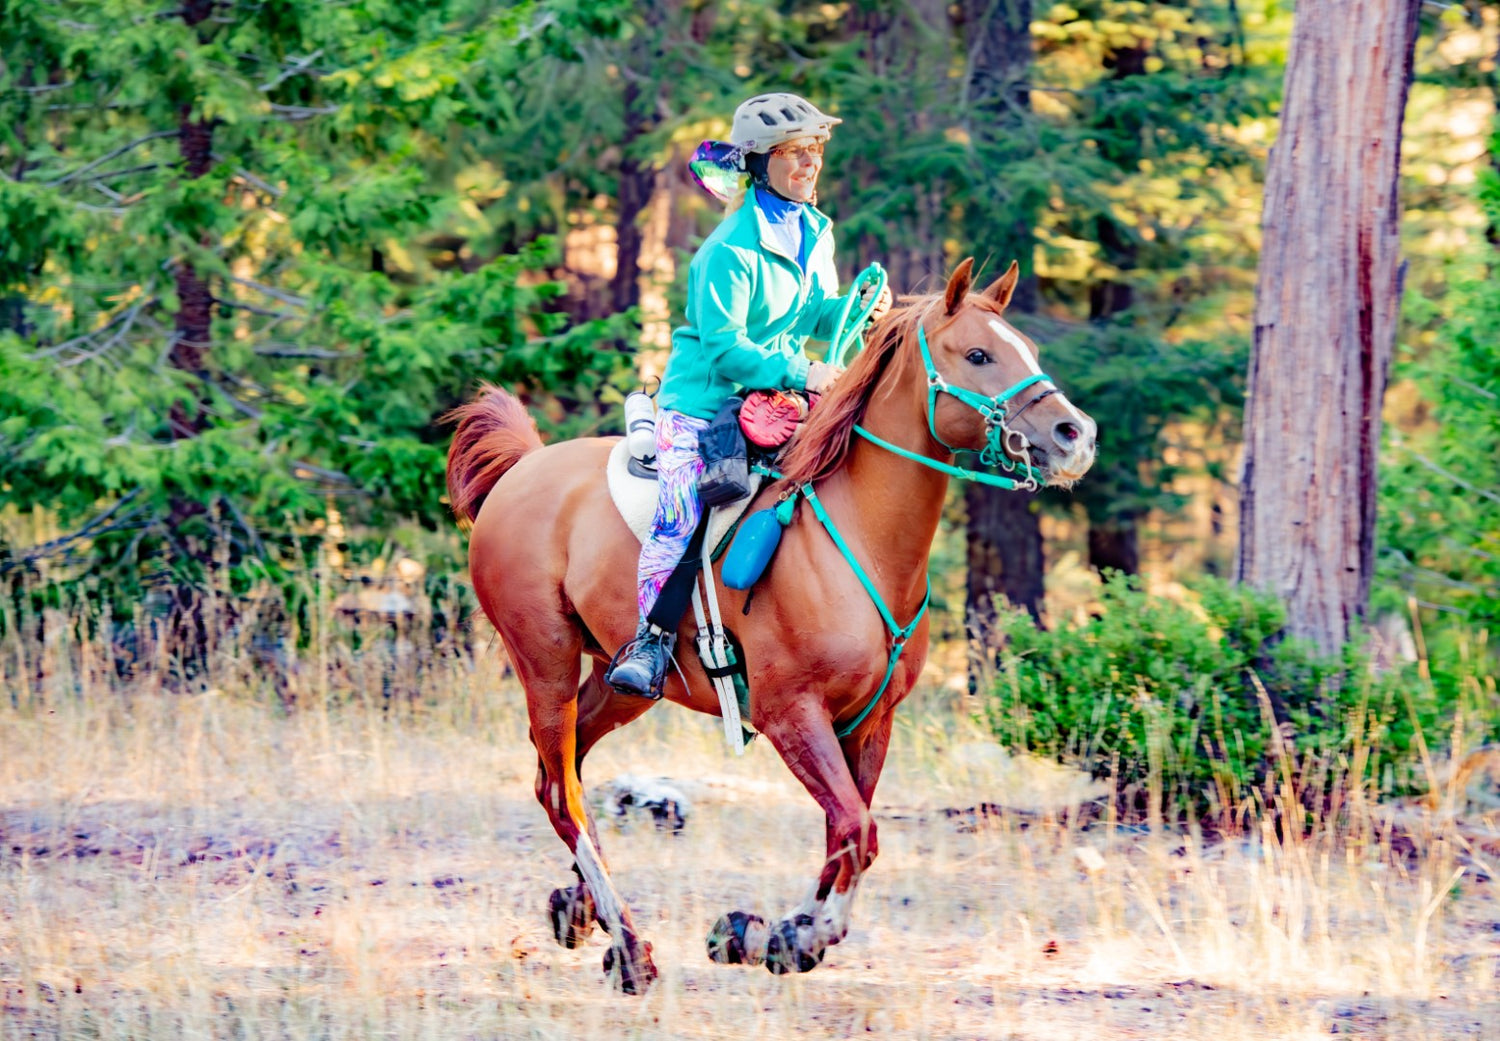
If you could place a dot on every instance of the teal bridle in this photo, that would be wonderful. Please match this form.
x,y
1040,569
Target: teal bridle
x,y
1001,442
1004,447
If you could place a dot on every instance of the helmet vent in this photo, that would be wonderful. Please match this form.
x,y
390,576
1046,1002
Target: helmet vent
x,y
767,120
788,114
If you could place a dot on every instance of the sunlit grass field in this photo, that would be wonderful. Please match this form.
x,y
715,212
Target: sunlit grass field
x,y
343,843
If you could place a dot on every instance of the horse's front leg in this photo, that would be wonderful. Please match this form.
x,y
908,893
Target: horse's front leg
x,y
827,909
806,740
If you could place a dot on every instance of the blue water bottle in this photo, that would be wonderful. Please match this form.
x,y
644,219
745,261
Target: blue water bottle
x,y
752,549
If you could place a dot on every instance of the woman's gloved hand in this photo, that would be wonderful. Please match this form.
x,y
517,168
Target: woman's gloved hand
x,y
821,377
882,306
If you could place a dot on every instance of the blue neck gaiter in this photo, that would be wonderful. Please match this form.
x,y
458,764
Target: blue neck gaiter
x,y
785,220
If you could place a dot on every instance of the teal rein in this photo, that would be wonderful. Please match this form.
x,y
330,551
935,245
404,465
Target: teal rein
x,y
994,480
846,332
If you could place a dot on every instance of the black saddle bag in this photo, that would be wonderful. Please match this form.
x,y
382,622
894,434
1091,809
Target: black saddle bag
x,y
726,465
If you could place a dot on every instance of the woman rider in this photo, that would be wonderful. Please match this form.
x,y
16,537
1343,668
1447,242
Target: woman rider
x,y
759,288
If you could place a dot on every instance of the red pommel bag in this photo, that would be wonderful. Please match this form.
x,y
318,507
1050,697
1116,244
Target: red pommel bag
x,y
769,418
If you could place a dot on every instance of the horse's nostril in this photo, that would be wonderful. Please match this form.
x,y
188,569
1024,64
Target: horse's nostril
x,y
1066,433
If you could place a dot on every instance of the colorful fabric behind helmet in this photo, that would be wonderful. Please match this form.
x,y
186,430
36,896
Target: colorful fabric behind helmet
x,y
719,169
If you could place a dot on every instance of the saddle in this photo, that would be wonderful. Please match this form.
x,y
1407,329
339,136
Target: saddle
x,y
633,489
768,420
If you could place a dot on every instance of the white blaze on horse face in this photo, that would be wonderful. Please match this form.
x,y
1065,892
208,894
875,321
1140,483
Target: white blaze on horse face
x,y
1028,359
1011,337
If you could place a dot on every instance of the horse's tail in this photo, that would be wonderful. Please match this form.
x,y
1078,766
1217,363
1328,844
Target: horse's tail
x,y
494,431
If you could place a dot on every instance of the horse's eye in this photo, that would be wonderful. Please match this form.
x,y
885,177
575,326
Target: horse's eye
x,y
978,357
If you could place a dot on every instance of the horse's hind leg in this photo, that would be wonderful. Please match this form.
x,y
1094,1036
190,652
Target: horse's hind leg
x,y
600,711
549,671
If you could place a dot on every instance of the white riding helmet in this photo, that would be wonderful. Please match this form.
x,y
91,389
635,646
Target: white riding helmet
x,y
768,120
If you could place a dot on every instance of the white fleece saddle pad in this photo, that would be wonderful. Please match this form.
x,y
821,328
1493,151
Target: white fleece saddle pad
x,y
635,498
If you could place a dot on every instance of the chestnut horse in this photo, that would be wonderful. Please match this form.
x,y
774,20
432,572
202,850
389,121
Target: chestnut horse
x,y
554,567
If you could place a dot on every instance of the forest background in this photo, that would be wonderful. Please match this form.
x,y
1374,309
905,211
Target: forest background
x,y
250,254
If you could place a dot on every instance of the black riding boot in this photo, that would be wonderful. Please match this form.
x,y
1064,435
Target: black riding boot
x,y
641,665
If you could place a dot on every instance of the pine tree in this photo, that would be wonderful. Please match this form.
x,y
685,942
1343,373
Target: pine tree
x,y
221,310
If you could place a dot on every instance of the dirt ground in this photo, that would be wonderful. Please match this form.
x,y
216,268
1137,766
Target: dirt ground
x,y
207,867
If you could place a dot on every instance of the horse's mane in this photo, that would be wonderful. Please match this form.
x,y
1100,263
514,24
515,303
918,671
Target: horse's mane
x,y
822,445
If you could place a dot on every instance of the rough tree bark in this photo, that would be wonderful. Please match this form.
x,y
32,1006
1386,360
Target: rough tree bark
x,y
1004,535
642,103
1114,534
1325,319
896,44
190,634
193,327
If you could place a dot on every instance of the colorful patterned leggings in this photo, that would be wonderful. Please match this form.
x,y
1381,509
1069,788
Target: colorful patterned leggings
x,y
678,509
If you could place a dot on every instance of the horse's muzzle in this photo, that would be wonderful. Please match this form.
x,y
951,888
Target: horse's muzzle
x,y
1064,451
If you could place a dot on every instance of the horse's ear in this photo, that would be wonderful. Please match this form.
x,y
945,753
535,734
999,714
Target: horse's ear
x,y
958,285
1003,287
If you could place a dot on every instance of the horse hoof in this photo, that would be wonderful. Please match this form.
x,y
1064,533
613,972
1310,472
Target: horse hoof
x,y
793,946
572,914
738,939
633,972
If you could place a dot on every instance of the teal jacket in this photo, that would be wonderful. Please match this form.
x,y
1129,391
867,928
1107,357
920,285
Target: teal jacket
x,y
750,312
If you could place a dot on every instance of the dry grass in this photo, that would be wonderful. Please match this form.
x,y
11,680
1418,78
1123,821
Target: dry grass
x,y
213,864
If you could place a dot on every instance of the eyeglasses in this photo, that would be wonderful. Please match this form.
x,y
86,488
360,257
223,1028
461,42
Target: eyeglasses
x,y
796,153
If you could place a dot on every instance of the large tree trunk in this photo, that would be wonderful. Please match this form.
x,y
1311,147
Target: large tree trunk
x,y
1114,537
193,326
637,179
1005,556
643,86
1004,535
899,47
190,335
1114,544
1325,319
190,634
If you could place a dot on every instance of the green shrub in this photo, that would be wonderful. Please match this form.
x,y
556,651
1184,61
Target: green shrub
x,y
1182,705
